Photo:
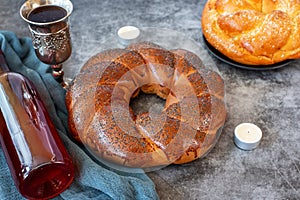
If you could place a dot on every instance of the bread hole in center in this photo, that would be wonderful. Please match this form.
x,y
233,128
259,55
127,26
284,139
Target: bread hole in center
x,y
148,108
145,103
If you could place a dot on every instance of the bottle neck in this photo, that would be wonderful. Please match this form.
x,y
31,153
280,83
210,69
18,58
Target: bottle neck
x,y
3,65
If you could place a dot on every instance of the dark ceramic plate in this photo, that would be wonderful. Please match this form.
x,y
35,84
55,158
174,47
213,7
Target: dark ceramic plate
x,y
227,60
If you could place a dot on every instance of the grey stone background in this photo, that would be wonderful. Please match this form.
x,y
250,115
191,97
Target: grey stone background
x,y
270,99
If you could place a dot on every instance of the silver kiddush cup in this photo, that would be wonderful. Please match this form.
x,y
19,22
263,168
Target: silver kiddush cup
x,y
48,23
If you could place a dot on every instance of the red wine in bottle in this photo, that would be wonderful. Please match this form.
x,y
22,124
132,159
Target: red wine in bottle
x,y
37,158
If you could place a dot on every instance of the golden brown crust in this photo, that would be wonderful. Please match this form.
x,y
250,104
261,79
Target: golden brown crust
x,y
253,32
101,118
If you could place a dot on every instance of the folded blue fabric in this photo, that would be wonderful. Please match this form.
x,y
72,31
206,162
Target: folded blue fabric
x,y
92,180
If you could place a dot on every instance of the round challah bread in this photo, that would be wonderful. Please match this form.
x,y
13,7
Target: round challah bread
x,y
254,32
100,116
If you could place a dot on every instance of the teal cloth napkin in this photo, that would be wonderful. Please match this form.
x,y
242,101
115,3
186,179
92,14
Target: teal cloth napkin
x,y
92,180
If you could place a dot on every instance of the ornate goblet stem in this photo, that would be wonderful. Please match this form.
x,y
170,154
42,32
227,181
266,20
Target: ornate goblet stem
x,y
58,74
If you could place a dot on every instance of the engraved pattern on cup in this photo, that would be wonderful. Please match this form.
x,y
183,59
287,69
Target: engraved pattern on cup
x,y
53,41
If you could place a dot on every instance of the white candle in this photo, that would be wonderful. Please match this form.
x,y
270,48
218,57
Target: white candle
x,y
247,136
127,34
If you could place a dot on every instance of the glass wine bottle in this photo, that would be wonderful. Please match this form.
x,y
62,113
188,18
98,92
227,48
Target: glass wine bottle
x,y
37,158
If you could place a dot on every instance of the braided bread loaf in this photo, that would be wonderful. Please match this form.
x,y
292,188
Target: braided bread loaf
x,y
101,118
255,32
